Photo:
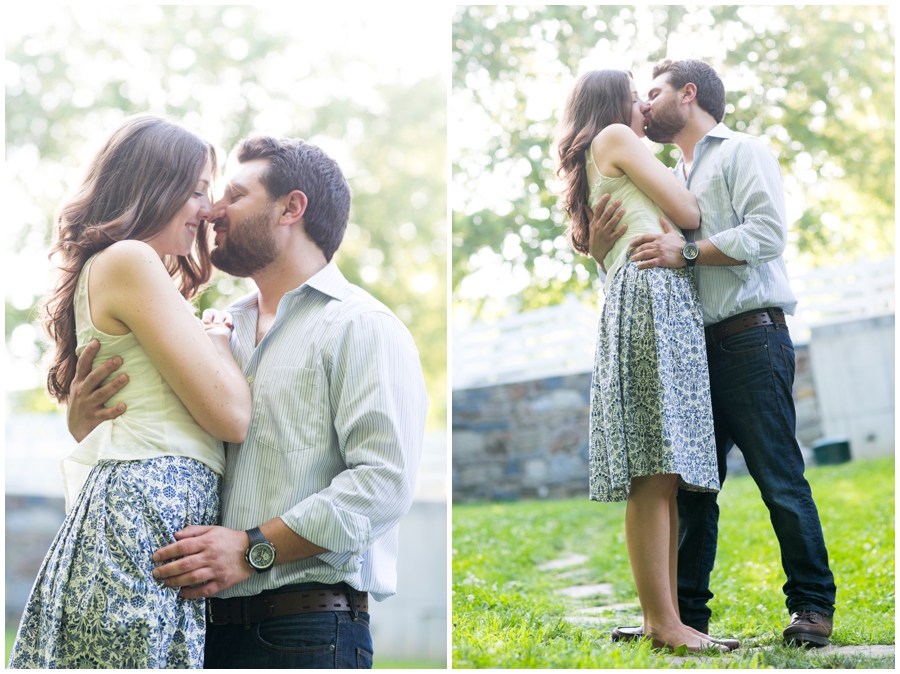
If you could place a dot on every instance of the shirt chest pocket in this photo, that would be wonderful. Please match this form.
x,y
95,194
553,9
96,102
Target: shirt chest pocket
x,y
290,409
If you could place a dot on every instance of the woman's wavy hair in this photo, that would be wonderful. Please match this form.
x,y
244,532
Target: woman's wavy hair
x,y
598,99
142,176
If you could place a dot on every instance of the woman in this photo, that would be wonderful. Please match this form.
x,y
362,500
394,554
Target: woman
x,y
651,416
136,223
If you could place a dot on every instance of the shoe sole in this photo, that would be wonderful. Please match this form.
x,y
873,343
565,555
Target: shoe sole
x,y
810,640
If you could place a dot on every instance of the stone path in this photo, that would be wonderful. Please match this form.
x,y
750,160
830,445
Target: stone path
x,y
604,616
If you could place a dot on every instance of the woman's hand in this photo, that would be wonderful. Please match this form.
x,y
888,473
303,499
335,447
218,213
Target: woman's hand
x,y
217,323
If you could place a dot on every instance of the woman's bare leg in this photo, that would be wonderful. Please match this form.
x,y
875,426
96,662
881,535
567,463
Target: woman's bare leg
x,y
649,520
673,548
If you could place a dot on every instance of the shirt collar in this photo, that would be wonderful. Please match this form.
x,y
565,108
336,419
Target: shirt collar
x,y
328,281
718,131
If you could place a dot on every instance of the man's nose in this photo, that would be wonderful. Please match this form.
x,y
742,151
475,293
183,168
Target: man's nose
x,y
645,107
218,210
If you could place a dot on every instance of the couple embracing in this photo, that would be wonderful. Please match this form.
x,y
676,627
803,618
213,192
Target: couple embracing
x,y
693,353
264,455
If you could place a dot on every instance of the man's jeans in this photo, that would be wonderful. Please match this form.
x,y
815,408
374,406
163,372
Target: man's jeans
x,y
332,640
751,375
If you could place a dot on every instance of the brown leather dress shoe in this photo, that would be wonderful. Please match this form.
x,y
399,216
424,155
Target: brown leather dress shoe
x,y
633,633
809,628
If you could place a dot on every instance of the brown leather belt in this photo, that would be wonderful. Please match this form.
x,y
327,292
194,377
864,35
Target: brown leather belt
x,y
250,610
731,326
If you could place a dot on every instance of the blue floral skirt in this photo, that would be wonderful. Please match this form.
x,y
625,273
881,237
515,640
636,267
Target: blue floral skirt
x,y
95,603
651,412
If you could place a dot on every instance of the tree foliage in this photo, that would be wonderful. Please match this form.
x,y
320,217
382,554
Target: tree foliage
x,y
815,83
229,72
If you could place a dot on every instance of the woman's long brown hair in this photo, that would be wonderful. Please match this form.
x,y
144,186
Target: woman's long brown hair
x,y
138,181
598,99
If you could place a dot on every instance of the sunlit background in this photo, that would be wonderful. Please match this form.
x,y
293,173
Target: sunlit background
x,y
367,85
815,83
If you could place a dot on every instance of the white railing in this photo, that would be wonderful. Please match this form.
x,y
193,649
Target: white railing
x,y
560,340
832,295
546,342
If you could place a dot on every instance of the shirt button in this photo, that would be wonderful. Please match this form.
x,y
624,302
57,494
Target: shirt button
x,y
250,379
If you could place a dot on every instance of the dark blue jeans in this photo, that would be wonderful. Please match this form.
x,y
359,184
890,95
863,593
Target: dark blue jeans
x,y
751,376
333,640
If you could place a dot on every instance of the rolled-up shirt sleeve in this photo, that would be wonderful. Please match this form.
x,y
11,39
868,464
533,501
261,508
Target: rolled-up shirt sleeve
x,y
757,200
377,395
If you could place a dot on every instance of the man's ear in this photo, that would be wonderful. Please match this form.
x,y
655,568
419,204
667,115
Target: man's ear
x,y
688,92
293,206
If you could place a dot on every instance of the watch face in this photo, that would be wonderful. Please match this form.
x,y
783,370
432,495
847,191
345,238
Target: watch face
x,y
691,251
262,556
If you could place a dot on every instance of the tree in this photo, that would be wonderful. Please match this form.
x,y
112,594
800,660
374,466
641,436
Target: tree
x,y
816,83
228,72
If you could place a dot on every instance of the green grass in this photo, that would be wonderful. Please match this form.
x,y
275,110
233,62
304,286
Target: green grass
x,y
408,664
506,614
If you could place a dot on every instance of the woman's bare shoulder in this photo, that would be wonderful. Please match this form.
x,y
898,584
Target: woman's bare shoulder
x,y
609,145
614,134
128,257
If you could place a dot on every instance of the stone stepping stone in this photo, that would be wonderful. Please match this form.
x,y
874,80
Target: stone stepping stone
x,y
608,609
585,591
871,651
587,621
562,563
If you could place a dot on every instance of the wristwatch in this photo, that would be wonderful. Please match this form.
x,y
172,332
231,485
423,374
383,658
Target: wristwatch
x,y
690,253
261,554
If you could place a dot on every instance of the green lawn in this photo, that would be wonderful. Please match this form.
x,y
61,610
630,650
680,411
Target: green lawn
x,y
505,612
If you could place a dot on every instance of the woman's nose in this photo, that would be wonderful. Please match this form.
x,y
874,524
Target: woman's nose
x,y
206,210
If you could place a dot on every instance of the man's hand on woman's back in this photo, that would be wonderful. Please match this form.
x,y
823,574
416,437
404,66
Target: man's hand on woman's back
x,y
87,397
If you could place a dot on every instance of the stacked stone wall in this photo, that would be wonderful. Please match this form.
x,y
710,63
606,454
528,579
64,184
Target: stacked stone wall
x,y
528,440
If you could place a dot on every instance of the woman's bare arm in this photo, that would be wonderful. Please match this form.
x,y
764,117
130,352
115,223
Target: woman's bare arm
x,y
130,286
621,147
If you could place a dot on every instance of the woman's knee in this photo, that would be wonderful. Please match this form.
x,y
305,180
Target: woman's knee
x,y
662,486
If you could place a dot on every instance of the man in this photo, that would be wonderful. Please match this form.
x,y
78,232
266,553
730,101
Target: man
x,y
744,290
312,498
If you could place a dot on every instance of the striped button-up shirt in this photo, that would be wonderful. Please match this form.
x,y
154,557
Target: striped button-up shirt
x,y
737,182
336,435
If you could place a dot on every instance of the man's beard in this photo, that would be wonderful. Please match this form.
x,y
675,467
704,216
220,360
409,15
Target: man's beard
x,y
664,124
246,248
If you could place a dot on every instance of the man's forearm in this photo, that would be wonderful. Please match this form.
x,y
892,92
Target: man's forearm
x,y
289,546
711,256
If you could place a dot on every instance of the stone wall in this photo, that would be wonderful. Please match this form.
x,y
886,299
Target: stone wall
x,y
521,440
530,439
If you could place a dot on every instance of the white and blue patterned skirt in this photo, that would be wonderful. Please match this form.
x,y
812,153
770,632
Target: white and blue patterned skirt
x,y
651,412
95,603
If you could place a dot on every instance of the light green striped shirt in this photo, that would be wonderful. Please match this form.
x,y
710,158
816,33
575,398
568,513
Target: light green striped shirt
x,y
336,435
737,182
